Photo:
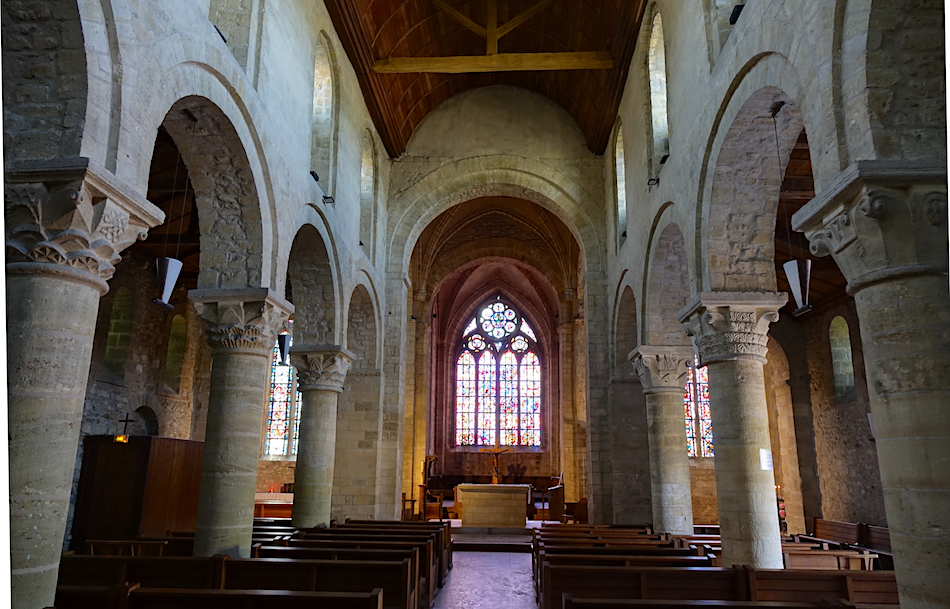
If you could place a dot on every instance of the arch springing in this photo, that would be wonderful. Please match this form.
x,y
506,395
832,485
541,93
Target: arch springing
x,y
498,380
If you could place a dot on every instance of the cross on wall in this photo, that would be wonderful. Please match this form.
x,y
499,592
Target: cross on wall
x,y
128,419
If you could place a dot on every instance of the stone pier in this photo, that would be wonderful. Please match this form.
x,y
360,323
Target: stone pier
x,y
242,327
730,330
65,226
322,371
663,372
885,224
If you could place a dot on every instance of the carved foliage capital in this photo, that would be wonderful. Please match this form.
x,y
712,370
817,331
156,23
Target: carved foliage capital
x,y
661,368
880,219
724,330
244,322
321,367
78,216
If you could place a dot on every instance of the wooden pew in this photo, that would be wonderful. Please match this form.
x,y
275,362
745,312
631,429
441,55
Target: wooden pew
x,y
444,530
834,531
429,565
92,597
163,598
832,560
164,572
353,554
370,533
323,576
125,547
569,602
715,584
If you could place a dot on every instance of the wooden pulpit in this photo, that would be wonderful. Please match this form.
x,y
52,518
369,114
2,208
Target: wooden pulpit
x,y
145,487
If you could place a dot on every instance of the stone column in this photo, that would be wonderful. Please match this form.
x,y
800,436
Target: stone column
x,y
730,330
885,224
321,370
65,226
242,327
663,372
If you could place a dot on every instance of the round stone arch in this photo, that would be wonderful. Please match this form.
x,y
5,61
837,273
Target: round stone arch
x,y
364,298
666,292
761,71
626,335
736,226
210,73
316,297
469,179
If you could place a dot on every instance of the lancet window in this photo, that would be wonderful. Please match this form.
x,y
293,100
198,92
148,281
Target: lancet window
x,y
283,409
498,380
699,436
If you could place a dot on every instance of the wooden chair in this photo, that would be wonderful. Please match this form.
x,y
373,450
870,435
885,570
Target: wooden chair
x,y
433,506
556,503
575,513
408,508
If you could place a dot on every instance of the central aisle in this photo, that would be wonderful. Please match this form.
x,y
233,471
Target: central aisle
x,y
488,580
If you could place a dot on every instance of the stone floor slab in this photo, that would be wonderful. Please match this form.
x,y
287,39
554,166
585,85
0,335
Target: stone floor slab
x,y
493,580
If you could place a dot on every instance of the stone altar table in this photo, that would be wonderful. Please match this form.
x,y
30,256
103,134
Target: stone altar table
x,y
494,505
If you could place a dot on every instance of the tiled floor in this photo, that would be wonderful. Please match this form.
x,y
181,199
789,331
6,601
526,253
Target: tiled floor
x,y
488,580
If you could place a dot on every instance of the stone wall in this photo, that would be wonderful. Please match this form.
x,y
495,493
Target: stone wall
x,y
272,475
702,477
848,470
44,79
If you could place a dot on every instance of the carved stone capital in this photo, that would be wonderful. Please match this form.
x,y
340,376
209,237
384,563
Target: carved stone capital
x,y
880,220
245,320
72,213
321,367
661,369
731,325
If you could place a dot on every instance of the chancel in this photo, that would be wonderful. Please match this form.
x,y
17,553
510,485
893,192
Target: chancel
x,y
611,289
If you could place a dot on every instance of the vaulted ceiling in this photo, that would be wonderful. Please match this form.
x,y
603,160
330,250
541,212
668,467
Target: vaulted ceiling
x,y
373,30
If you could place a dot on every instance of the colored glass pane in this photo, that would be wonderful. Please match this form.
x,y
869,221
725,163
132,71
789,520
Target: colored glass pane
x,y
498,397
465,400
508,398
487,405
530,400
699,434
526,329
279,421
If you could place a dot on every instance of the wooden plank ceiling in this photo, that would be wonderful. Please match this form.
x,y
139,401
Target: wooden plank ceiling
x,y
375,30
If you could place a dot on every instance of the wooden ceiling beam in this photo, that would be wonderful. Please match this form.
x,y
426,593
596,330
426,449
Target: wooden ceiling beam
x,y
502,62
522,17
460,18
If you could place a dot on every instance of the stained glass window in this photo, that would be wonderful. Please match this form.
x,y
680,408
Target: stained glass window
x,y
498,380
699,435
283,410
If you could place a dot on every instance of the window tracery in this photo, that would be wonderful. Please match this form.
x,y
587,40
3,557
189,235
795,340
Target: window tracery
x,y
498,380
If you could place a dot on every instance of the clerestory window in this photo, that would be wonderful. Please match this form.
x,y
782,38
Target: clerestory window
x,y
498,380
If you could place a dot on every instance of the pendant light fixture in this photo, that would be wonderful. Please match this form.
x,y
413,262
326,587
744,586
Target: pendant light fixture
x,y
797,271
169,268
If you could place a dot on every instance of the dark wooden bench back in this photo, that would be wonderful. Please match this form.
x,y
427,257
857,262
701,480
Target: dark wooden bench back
x,y
836,530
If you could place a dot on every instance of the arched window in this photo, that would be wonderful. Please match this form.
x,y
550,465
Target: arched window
x,y
658,105
841,361
175,354
283,410
699,436
498,380
620,173
323,116
120,331
368,195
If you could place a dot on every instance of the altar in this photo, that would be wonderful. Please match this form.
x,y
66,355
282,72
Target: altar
x,y
494,505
